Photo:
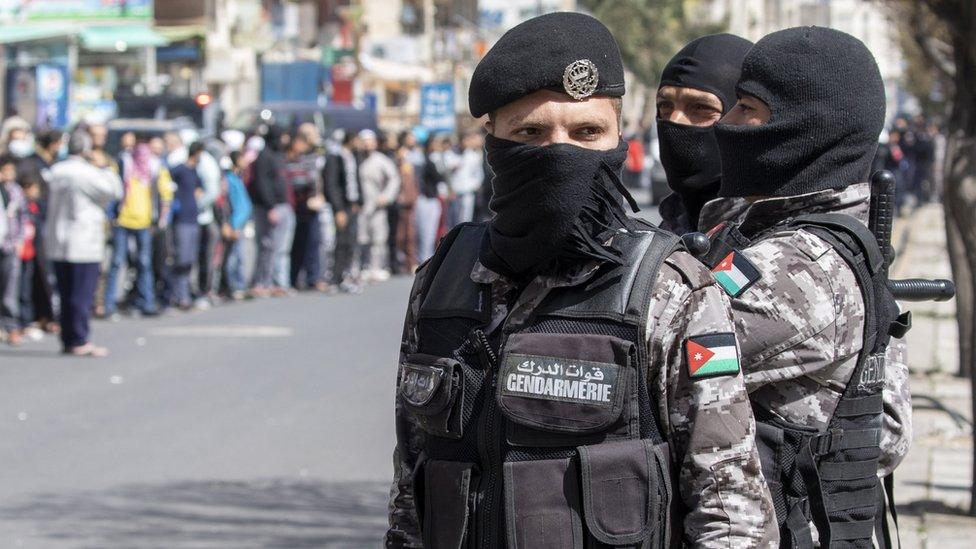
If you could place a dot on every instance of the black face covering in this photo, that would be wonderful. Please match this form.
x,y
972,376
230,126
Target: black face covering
x,y
827,105
690,154
552,204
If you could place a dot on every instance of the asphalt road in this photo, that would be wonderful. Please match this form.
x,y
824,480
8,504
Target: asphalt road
x,y
262,424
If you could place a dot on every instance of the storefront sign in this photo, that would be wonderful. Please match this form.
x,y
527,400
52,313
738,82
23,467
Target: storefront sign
x,y
437,107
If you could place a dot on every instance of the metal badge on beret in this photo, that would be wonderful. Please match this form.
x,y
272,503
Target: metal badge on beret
x,y
580,79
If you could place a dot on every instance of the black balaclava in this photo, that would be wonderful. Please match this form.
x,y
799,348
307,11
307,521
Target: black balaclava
x,y
690,154
553,205
827,104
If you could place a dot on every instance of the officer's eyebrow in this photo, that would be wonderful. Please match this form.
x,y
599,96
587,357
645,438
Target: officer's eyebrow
x,y
519,118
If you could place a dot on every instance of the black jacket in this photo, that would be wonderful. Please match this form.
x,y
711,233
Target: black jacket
x,y
334,183
267,189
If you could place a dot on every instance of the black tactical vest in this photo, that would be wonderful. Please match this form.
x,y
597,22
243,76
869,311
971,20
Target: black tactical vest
x,y
829,477
542,433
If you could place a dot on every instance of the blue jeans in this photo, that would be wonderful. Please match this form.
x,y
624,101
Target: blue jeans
x,y
146,300
187,239
233,266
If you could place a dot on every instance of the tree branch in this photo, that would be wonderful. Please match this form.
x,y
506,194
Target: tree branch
x,y
928,44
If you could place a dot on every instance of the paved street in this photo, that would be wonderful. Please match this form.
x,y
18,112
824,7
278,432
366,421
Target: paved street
x,y
261,424
258,424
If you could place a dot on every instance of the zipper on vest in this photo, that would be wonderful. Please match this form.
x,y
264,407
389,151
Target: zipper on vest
x,y
488,446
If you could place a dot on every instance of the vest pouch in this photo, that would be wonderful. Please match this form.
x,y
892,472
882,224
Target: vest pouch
x,y
542,504
567,385
627,492
448,503
432,390
781,446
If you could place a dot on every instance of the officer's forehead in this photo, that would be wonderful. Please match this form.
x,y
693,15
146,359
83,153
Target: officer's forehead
x,y
687,94
548,104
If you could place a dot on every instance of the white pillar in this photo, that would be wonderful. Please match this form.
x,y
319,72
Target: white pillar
x,y
151,79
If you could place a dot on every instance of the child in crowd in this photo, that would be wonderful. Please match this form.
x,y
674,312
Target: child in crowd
x,y
11,245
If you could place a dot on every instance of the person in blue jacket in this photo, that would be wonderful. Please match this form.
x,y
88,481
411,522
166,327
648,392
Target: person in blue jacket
x,y
236,211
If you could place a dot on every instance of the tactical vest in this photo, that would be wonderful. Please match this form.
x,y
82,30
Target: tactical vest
x,y
541,433
829,477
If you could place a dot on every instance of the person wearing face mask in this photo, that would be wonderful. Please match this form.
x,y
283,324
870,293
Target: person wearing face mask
x,y
809,296
697,88
529,412
21,143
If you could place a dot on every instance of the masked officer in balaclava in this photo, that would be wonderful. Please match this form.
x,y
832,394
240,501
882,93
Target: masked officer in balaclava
x,y
697,88
803,272
559,360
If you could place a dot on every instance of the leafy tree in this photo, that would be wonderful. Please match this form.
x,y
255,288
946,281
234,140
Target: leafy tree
x,y
943,31
650,32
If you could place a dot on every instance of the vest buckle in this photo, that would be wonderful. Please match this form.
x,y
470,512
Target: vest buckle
x,y
825,443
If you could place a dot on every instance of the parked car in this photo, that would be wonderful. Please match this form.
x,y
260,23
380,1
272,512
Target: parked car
x,y
289,114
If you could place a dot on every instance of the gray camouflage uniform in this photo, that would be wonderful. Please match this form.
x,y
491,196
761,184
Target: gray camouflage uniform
x,y
800,327
708,422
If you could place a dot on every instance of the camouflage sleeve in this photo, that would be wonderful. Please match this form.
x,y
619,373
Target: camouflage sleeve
x,y
708,418
404,531
789,322
896,433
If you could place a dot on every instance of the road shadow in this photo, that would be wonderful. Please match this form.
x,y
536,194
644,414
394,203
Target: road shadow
x,y
293,514
921,507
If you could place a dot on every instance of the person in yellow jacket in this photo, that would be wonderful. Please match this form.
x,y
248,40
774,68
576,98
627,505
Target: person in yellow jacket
x,y
148,192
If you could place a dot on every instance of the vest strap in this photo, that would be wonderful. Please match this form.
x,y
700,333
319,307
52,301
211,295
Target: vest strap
x,y
851,530
839,439
859,406
851,470
851,500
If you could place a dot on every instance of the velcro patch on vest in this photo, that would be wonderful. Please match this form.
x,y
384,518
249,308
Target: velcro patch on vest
x,y
419,383
712,355
735,273
559,379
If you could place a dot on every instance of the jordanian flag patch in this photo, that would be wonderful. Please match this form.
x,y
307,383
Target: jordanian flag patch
x,y
735,273
712,355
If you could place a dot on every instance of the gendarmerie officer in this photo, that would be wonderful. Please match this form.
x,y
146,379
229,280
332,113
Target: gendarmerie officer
x,y
697,88
568,375
809,296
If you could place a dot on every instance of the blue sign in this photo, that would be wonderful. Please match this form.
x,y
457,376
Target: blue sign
x,y
52,96
437,107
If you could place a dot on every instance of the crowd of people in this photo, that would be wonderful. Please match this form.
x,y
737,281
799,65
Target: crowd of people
x,y
164,224
913,151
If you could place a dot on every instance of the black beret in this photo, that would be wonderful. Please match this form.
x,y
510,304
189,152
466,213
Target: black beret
x,y
568,52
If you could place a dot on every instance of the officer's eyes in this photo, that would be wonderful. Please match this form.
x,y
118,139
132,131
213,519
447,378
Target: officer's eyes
x,y
705,107
527,131
664,108
590,131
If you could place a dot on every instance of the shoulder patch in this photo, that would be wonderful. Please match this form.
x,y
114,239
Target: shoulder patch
x,y
735,273
712,355
692,270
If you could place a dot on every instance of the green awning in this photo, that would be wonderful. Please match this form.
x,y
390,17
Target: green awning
x,y
120,38
25,33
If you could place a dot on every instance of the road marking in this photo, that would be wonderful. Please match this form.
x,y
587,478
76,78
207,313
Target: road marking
x,y
229,330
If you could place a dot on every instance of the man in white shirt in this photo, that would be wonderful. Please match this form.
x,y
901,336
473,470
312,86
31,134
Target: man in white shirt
x,y
466,179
